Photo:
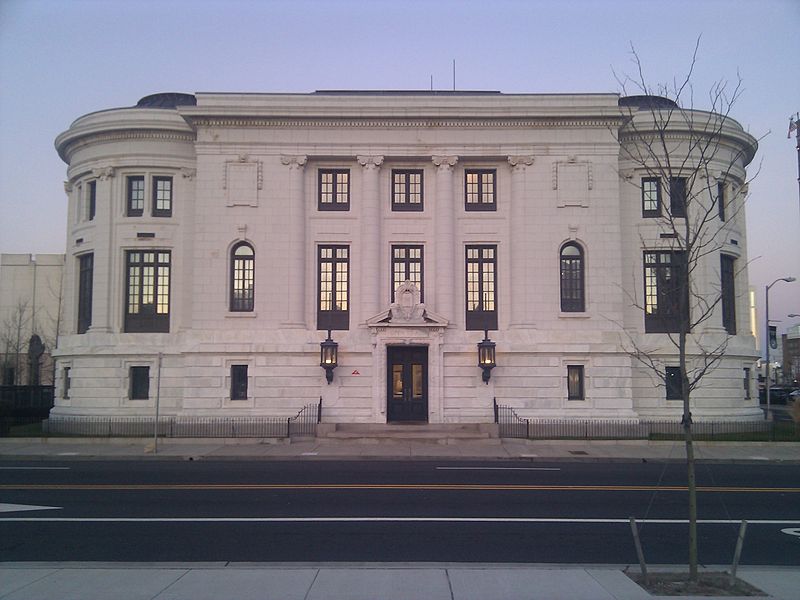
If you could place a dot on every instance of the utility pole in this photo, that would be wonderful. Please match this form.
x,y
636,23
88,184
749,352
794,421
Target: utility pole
x,y
794,125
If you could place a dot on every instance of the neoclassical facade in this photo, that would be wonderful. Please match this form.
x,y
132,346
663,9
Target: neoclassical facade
x,y
215,240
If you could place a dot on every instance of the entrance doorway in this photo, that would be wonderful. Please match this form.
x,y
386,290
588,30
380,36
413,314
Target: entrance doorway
x,y
407,378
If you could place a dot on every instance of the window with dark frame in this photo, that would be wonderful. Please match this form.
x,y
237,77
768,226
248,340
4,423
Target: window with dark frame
x,y
85,280
672,377
575,387
238,382
677,196
572,278
242,282
334,189
135,196
721,200
728,293
139,383
407,190
92,200
481,287
746,376
162,196
666,292
333,308
651,197
147,291
480,189
407,265
66,383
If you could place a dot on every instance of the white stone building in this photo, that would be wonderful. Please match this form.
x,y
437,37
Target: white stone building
x,y
229,232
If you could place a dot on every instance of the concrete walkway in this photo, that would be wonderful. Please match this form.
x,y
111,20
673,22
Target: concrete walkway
x,y
345,582
322,448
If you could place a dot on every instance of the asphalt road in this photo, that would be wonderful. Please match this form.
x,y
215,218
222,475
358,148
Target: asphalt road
x,y
393,511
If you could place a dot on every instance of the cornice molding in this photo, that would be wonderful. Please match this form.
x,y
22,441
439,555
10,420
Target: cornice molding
x,y
126,134
332,123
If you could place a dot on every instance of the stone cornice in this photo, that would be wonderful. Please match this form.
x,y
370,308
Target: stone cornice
x,y
470,123
68,147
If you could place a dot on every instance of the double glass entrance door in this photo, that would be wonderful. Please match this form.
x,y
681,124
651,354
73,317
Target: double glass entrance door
x,y
407,383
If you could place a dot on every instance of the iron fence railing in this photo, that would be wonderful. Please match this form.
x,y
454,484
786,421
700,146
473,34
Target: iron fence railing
x,y
511,425
304,423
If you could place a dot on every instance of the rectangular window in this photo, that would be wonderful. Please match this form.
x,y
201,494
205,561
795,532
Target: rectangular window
x,y
334,189
333,308
677,196
407,266
407,190
481,287
66,383
135,196
162,196
575,382
651,197
238,382
666,291
721,200
91,208
673,383
480,189
147,291
746,376
728,293
85,279
139,378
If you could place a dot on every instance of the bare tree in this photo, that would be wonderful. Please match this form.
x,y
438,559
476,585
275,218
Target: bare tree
x,y
693,185
12,338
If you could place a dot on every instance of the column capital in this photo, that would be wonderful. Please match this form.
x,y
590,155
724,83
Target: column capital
x,y
188,173
519,162
104,173
294,162
370,162
67,187
444,162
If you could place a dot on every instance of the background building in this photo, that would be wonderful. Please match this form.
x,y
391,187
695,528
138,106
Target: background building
x,y
30,301
215,239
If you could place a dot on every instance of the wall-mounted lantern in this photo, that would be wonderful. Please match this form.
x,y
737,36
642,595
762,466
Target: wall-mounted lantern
x,y
328,356
486,356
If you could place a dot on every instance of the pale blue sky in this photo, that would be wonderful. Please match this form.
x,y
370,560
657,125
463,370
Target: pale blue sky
x,y
61,59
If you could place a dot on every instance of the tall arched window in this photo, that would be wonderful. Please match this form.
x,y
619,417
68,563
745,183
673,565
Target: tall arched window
x,y
242,278
572,287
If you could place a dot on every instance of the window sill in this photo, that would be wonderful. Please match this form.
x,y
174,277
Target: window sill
x,y
241,315
573,315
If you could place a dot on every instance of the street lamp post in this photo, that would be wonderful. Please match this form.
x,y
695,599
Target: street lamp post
x,y
766,310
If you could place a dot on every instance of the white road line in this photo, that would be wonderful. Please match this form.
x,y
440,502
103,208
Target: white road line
x,y
389,520
498,469
21,507
35,468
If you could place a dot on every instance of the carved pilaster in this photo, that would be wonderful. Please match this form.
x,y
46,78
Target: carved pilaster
x,y
371,235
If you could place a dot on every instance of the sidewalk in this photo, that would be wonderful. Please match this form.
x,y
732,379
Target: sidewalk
x,y
321,448
346,582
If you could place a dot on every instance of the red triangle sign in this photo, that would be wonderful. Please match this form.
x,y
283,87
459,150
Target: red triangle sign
x,y
355,372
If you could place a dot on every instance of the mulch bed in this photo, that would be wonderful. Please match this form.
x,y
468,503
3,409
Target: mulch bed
x,y
707,584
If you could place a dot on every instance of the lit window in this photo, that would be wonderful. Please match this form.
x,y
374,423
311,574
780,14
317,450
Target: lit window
x,y
333,310
147,291
666,291
162,196
334,189
575,382
651,197
242,283
135,196
407,266
480,189
406,190
481,290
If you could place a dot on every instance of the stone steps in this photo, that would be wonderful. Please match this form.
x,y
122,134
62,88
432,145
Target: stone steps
x,y
439,433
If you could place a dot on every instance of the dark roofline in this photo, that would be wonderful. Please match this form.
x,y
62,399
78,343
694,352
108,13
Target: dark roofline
x,y
407,92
